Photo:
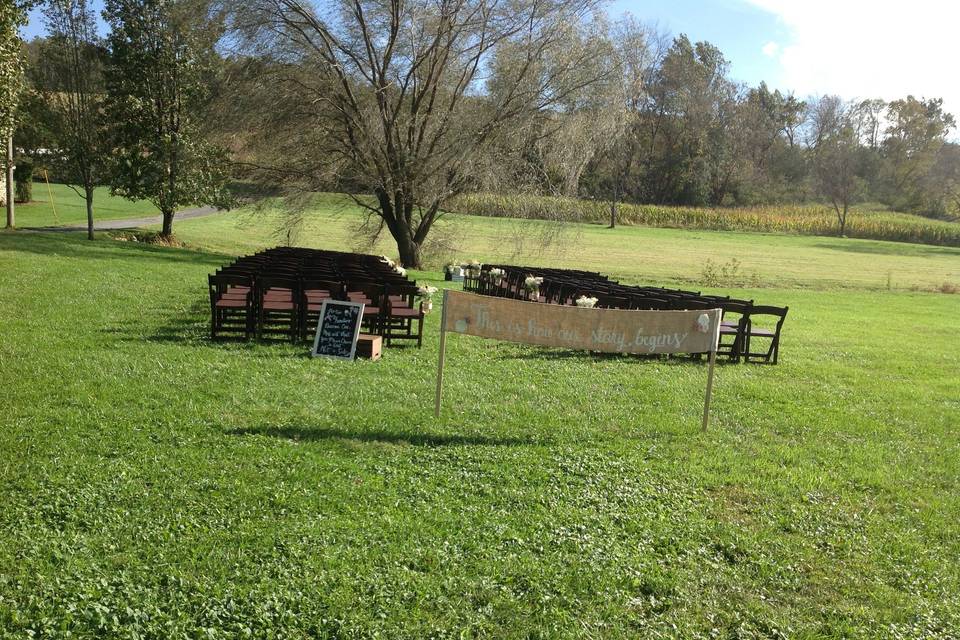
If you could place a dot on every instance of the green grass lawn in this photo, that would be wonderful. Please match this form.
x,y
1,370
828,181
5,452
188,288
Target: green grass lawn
x,y
158,485
66,207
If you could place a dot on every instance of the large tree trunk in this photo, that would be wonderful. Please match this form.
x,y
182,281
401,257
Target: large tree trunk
x,y
410,256
396,214
841,217
89,196
167,230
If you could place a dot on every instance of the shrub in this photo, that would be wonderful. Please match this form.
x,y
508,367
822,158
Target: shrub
x,y
23,177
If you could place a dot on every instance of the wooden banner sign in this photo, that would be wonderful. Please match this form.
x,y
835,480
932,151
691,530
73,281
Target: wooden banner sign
x,y
604,330
338,329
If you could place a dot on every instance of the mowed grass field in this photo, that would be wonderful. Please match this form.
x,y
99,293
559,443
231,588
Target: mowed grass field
x,y
61,205
633,254
158,485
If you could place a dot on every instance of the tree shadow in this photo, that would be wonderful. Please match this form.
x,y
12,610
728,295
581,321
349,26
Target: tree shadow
x,y
75,245
889,248
418,439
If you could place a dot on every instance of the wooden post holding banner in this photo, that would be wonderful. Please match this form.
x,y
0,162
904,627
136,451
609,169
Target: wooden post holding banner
x,y
706,398
443,350
603,330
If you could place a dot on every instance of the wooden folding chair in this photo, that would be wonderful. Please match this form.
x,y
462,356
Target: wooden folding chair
x,y
399,315
372,296
231,305
753,332
278,308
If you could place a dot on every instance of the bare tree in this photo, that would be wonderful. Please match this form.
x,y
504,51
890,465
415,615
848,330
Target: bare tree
x,y
836,161
70,78
401,98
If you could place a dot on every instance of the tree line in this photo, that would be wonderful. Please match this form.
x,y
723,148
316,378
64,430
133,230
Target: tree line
x,y
408,103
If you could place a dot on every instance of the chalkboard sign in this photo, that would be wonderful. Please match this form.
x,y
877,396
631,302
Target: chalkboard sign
x,y
338,329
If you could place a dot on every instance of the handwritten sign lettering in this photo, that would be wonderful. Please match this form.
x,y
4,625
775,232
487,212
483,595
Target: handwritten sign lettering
x,y
606,330
338,329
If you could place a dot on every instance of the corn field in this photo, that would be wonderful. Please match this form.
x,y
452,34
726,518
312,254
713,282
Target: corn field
x,y
815,220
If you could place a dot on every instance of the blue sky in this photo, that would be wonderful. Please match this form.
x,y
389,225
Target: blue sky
x,y
853,48
738,28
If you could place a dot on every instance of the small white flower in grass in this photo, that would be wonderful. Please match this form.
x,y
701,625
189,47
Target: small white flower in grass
x,y
586,302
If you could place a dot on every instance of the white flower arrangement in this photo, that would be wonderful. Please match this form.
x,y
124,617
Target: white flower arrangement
x,y
703,323
532,284
426,292
390,263
496,274
585,302
473,268
400,270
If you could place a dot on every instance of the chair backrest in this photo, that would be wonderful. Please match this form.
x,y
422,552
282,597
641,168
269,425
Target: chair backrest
x,y
265,283
739,307
335,287
406,291
692,304
611,302
371,290
649,304
220,282
779,312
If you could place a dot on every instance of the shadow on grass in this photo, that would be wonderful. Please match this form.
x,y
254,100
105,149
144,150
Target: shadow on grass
x,y
590,356
888,248
76,245
314,434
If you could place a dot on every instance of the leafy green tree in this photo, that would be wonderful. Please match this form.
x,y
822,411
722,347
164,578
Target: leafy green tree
x,y
837,162
13,15
69,75
916,133
156,97
687,117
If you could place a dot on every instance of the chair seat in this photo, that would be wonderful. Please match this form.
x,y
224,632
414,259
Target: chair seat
x,y
371,310
404,312
277,305
762,333
231,303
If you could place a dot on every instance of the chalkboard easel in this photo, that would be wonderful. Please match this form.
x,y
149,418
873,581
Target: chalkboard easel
x,y
338,329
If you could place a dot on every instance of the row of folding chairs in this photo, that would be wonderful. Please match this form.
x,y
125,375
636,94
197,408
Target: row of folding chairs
x,y
266,306
741,337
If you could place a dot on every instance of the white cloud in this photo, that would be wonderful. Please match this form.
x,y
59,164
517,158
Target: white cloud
x,y
770,49
869,48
